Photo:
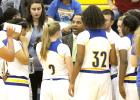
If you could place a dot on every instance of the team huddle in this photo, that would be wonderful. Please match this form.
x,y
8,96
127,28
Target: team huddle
x,y
84,60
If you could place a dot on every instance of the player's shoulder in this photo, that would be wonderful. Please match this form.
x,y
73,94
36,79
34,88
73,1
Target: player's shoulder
x,y
62,46
84,34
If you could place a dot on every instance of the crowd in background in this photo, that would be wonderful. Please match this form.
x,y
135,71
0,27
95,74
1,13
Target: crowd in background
x,y
52,50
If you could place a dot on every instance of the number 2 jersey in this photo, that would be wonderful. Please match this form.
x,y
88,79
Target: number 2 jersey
x,y
54,66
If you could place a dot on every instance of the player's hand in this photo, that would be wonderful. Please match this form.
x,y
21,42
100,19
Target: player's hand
x,y
23,39
66,30
10,31
122,91
71,90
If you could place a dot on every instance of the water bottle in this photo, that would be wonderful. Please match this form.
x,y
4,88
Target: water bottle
x,y
31,65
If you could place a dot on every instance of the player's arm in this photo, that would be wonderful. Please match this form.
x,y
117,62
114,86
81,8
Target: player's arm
x,y
112,56
22,55
7,53
122,71
68,61
77,67
134,61
136,49
69,64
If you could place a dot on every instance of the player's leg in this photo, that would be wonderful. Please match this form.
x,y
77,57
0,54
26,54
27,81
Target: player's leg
x,y
45,92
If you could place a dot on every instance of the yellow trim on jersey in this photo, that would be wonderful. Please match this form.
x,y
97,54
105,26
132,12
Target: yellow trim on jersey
x,y
95,68
17,80
61,56
130,78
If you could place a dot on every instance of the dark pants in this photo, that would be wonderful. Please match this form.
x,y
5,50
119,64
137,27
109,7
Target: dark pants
x,y
36,80
1,12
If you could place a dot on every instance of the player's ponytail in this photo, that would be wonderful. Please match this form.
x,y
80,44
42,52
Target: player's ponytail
x,y
45,42
49,30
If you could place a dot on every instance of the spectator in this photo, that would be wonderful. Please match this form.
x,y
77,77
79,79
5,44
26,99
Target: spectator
x,y
63,10
36,19
10,3
23,8
125,5
20,5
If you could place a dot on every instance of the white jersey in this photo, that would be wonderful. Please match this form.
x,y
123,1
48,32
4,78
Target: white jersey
x,y
3,35
54,65
2,85
95,67
114,69
115,39
125,43
97,49
18,78
15,67
131,72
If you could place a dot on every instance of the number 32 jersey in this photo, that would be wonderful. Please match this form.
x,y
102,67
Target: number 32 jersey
x,y
97,48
